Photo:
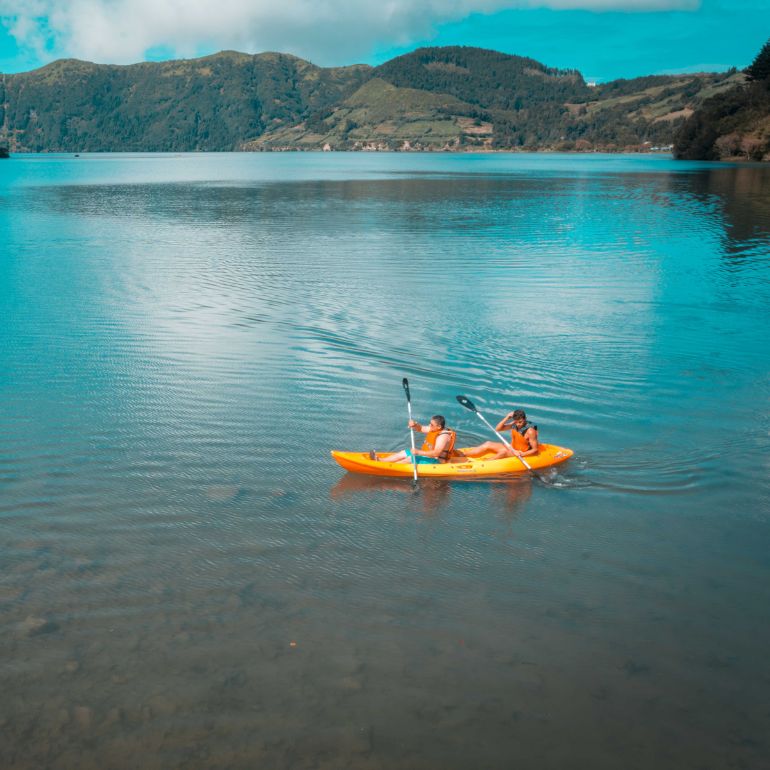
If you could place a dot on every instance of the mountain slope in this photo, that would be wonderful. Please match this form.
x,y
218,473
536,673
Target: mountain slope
x,y
432,98
377,116
213,103
732,124
466,98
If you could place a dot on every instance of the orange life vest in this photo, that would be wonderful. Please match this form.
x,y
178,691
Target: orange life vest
x,y
430,443
517,437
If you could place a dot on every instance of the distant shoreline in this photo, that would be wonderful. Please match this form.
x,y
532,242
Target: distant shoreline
x,y
316,151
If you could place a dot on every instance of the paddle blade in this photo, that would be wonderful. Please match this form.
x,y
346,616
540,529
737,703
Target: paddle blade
x,y
405,383
467,403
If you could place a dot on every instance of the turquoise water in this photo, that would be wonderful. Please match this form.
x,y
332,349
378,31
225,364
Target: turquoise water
x,y
188,580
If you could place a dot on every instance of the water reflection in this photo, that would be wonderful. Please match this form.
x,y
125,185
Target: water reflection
x,y
513,495
741,196
429,495
433,495
355,483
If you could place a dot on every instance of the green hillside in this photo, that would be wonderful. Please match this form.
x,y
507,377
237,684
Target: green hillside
x,y
376,116
213,103
433,98
469,98
732,124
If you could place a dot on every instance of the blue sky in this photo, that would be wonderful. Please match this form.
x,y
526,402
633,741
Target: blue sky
x,y
604,39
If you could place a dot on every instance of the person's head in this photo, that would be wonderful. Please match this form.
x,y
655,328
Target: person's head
x,y
437,422
519,417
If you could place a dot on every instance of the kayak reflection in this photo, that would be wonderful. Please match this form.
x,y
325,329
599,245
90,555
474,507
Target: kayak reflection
x,y
512,494
430,494
509,494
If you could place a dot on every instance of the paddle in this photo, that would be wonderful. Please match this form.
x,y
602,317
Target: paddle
x,y
468,404
405,383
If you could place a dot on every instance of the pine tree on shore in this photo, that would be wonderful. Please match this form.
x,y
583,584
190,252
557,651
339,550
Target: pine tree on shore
x,y
759,69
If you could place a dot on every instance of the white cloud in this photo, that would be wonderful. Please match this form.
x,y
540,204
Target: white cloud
x,y
324,31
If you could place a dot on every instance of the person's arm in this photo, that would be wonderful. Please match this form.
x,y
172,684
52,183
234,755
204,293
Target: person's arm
x,y
441,442
414,425
505,423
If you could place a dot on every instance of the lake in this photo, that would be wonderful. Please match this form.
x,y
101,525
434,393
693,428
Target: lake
x,y
188,580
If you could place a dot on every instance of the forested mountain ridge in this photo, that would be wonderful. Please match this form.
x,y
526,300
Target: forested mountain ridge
x,y
466,98
212,103
433,98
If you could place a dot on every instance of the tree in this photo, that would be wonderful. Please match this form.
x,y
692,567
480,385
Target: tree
x,y
728,146
753,147
759,69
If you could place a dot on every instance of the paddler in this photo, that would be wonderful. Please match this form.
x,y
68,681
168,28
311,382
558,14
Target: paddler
x,y
523,438
437,448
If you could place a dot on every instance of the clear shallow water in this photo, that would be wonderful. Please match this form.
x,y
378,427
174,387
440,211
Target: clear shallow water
x,y
189,581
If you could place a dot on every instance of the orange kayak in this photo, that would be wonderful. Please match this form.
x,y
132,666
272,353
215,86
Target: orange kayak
x,y
471,467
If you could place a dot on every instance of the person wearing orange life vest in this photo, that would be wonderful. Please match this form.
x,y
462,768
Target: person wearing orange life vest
x,y
523,438
437,448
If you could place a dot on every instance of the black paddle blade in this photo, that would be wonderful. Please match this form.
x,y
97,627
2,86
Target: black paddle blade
x,y
467,403
405,383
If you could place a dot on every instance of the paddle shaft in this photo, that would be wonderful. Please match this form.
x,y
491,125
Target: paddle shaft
x,y
411,432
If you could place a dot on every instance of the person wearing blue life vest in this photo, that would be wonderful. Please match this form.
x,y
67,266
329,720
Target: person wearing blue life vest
x,y
523,438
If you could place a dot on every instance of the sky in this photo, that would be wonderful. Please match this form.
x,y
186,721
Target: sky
x,y
603,39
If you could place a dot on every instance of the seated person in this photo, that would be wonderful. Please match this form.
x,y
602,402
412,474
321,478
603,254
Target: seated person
x,y
437,448
523,438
